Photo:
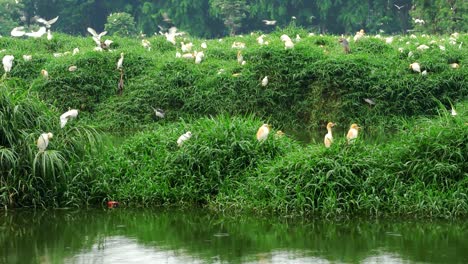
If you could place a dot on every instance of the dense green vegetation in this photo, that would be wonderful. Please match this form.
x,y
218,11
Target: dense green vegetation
x,y
421,169
214,18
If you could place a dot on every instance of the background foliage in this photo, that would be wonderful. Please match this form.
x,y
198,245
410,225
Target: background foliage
x,y
205,18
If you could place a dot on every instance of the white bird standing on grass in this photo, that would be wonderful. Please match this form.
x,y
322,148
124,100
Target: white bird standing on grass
x,y
415,67
352,133
158,112
199,57
73,113
328,140
45,74
27,57
43,141
454,113
7,62
120,61
262,132
184,138
265,81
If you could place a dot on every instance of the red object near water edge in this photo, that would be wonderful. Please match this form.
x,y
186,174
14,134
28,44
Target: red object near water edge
x,y
112,204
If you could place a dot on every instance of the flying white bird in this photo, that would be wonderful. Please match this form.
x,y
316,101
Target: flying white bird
x,y
328,140
265,81
120,61
37,34
97,37
73,113
47,23
43,141
269,22
184,138
18,32
262,132
7,62
415,67
419,21
399,7
352,133
158,112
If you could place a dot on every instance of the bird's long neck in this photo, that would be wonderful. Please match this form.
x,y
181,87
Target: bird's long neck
x,y
329,129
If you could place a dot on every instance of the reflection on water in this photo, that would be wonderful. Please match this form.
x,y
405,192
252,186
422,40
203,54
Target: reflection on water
x,y
170,236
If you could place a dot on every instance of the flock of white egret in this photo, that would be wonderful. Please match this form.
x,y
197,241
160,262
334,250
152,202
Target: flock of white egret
x,y
187,53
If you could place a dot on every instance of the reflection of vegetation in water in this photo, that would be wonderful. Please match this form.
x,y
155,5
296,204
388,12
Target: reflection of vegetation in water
x,y
28,237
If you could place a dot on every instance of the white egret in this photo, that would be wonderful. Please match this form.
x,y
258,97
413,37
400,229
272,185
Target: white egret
x,y
265,81
146,44
49,35
47,23
419,21
424,73
27,57
269,22
359,35
288,44
186,47
285,37
454,113
389,40
159,112
72,68
178,55
37,34
454,65
199,57
76,51
184,138
7,62
45,74
18,32
72,113
203,45
298,38
442,48
238,45
399,7
352,133
120,61
188,56
328,140
240,58
43,141
262,132
415,67
260,40
369,101
422,47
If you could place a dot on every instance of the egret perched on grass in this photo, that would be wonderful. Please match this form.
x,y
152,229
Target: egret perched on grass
x,y
453,112
45,74
328,140
18,32
415,67
184,138
203,45
146,44
454,65
76,51
352,133
72,68
7,63
49,35
199,57
72,113
359,35
262,132
43,141
422,47
27,57
240,58
120,61
265,81
158,112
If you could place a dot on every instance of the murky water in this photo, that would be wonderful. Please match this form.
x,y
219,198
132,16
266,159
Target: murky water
x,y
155,236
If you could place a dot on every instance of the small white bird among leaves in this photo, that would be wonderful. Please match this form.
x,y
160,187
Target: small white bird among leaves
x,y
72,68
262,132
7,62
265,81
183,138
27,57
72,113
76,51
43,141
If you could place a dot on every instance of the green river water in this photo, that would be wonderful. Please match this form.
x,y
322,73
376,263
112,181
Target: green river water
x,y
174,236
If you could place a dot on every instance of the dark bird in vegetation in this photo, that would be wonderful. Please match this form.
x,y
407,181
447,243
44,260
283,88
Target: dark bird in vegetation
x,y
120,87
345,45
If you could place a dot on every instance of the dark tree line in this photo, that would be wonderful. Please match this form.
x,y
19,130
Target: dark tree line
x,y
213,18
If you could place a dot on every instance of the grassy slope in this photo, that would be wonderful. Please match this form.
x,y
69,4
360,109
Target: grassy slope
x,y
222,165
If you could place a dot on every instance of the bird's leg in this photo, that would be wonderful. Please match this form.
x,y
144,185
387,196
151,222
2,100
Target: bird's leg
x,y
121,82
